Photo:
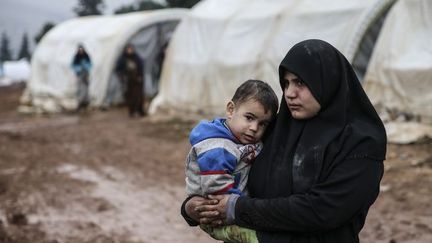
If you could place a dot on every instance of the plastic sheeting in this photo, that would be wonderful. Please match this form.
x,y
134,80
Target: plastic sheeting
x,y
52,85
399,75
408,132
222,43
14,71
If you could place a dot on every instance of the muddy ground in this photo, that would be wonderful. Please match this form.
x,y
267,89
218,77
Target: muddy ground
x,y
101,177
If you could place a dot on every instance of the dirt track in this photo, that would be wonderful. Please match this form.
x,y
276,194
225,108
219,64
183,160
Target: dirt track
x,y
102,177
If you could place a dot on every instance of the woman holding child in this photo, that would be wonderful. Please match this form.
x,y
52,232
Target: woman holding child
x,y
322,161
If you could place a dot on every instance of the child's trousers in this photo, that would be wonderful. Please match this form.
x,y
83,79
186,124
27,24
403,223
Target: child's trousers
x,y
231,234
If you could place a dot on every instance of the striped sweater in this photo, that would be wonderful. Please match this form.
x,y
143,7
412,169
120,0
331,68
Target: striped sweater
x,y
217,163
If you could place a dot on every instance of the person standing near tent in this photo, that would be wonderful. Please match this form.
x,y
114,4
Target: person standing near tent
x,y
322,163
81,65
129,69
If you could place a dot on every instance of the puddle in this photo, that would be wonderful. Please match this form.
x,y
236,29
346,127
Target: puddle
x,y
132,213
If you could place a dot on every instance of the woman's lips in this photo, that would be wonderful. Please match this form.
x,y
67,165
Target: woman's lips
x,y
294,106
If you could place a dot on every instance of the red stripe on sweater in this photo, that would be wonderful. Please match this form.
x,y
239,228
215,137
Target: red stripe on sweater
x,y
213,172
225,189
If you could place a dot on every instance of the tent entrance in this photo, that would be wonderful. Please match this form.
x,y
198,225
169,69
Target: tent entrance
x,y
150,43
367,43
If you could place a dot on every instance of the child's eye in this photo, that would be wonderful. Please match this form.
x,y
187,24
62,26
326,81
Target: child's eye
x,y
263,124
249,118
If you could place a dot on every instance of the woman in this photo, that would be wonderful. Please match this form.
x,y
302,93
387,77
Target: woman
x,y
130,68
321,166
81,65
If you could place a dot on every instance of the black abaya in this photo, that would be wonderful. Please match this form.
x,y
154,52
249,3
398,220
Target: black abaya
x,y
315,179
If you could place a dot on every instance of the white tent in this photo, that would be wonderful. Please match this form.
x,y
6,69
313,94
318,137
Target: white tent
x,y
222,43
14,71
52,84
399,75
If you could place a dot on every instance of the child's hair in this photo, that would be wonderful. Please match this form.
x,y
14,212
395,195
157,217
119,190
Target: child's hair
x,y
259,91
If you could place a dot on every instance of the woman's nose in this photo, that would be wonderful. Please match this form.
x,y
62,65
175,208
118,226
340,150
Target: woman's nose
x,y
290,92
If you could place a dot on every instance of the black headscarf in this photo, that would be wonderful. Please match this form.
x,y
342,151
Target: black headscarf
x,y
299,153
121,62
81,56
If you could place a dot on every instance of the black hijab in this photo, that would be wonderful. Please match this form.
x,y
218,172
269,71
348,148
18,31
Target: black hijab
x,y
80,56
121,63
299,153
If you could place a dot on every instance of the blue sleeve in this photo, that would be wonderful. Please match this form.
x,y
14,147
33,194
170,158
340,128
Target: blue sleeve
x,y
87,65
76,68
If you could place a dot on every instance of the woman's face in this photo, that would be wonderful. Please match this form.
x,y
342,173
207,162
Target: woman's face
x,y
129,50
300,101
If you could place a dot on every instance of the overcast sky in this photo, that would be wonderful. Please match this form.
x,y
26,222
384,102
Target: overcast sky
x,y
20,16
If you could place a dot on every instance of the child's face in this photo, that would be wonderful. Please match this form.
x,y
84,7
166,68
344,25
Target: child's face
x,y
248,120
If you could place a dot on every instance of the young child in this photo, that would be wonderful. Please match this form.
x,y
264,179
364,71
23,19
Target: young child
x,y
224,149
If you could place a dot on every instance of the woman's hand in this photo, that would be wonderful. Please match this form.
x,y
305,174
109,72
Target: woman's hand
x,y
196,202
213,214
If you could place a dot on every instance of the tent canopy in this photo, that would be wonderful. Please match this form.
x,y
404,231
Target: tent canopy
x,y
399,75
52,84
222,43
14,71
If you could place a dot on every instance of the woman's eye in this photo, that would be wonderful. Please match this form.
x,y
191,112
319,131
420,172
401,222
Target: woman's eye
x,y
299,83
249,118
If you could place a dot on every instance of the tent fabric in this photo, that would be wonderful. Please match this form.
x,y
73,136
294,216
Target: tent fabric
x,y
399,75
52,84
408,132
14,71
222,43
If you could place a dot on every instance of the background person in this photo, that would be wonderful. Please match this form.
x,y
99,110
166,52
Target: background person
x,y
81,65
130,71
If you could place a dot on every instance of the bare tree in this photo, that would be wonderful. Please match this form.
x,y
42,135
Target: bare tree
x,y
89,7
24,50
5,52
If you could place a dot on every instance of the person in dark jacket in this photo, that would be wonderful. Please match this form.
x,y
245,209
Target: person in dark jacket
x,y
81,65
130,71
321,165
